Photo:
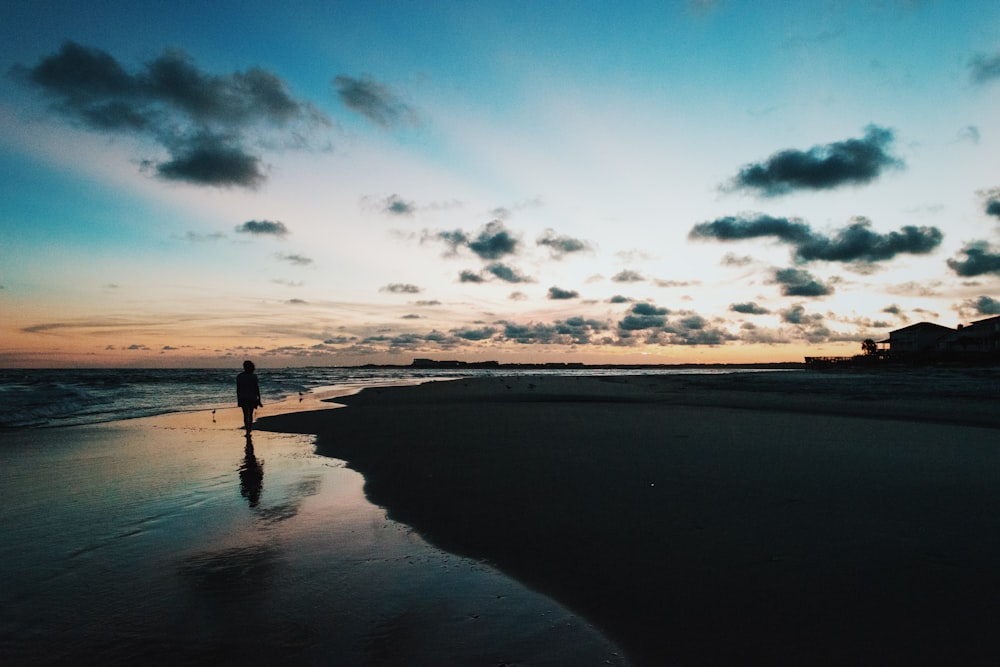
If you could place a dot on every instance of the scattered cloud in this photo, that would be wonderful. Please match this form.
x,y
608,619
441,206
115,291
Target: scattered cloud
x,y
969,133
493,241
263,228
643,316
557,293
207,123
467,276
855,243
400,288
507,274
627,276
992,202
796,282
980,259
849,162
985,68
298,260
748,308
560,246
375,101
197,237
986,305
797,315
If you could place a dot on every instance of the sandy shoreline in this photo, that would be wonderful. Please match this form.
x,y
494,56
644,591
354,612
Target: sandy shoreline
x,y
779,519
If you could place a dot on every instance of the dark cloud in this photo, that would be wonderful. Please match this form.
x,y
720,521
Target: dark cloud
x,y
643,316
400,288
557,293
572,331
855,243
296,302
742,227
796,282
992,205
858,243
263,228
627,276
484,333
560,246
470,277
507,273
618,298
204,121
396,205
493,242
374,101
853,161
985,68
797,315
986,305
298,260
748,308
979,259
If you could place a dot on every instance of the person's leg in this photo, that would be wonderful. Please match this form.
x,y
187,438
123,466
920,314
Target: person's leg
x,y
247,417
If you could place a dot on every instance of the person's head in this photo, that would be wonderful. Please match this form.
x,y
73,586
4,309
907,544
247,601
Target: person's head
x,y
248,366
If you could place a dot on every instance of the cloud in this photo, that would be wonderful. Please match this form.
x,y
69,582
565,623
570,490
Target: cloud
x,y
627,276
470,277
485,333
969,133
557,293
796,282
643,316
980,258
748,308
396,205
206,122
374,101
992,205
560,246
400,288
492,242
738,228
853,161
298,260
985,68
797,315
507,273
855,243
858,243
986,305
263,228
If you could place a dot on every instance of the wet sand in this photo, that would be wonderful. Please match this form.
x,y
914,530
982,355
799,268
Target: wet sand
x,y
759,519
165,541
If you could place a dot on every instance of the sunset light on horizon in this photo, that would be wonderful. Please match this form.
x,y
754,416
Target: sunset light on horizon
x,y
697,181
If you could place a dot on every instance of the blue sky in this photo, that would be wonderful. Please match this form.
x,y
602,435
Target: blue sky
x,y
355,182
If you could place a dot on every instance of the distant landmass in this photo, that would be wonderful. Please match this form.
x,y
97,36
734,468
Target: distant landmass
x,y
453,363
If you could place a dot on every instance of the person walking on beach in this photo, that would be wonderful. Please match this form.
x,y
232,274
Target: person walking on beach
x,y
248,394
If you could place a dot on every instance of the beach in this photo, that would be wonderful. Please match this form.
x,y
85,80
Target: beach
x,y
166,540
758,518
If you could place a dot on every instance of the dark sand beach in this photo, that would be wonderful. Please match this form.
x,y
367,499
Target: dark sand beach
x,y
760,518
165,541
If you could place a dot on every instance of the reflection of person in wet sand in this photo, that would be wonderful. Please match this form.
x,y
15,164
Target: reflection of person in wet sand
x,y
251,475
248,394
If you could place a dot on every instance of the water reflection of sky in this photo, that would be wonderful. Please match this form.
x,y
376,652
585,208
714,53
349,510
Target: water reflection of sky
x,y
158,539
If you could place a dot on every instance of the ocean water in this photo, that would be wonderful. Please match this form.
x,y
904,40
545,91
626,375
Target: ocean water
x,y
32,398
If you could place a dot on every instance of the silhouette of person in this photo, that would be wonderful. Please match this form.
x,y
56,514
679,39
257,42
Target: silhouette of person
x,y
251,475
248,394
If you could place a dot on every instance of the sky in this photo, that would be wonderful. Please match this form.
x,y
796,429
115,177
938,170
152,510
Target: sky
x,y
343,183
